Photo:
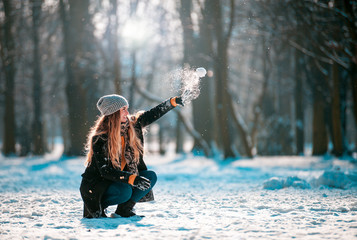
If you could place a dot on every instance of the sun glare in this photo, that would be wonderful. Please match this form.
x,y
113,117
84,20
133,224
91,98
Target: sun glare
x,y
135,32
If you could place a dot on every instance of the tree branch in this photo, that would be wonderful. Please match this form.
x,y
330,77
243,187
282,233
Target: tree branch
x,y
241,126
332,9
309,53
186,123
333,58
231,23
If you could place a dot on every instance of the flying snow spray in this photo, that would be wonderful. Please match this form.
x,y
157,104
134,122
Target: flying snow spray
x,y
187,82
191,84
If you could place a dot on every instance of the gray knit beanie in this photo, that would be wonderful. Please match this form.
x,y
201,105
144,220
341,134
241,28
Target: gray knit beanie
x,y
109,104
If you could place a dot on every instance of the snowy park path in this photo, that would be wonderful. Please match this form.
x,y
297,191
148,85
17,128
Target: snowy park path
x,y
196,198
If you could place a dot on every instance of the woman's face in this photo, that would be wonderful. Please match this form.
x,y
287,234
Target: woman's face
x,y
123,114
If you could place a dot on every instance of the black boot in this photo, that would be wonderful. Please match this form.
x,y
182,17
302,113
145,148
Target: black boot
x,y
126,209
104,215
89,214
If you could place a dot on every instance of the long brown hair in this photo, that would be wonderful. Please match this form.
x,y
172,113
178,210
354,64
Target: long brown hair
x,y
111,125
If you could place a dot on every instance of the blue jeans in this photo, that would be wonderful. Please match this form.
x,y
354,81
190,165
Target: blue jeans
x,y
120,192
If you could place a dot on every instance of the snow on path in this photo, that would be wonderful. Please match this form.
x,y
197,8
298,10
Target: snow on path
x,y
196,198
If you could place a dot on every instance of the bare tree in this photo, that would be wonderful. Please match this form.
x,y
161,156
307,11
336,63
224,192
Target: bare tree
x,y
8,58
221,77
113,31
188,58
299,86
38,123
350,10
74,25
203,107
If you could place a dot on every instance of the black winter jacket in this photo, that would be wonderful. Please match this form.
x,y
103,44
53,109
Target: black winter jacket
x,y
100,173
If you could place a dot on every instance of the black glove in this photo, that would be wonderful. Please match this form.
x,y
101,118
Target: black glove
x,y
179,101
142,183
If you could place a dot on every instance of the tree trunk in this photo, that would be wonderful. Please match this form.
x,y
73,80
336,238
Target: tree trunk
x,y
76,96
343,75
179,136
350,21
113,21
319,137
203,107
25,140
162,142
314,79
353,81
284,102
133,79
299,109
353,84
258,105
221,70
38,138
68,59
187,62
337,139
239,124
10,71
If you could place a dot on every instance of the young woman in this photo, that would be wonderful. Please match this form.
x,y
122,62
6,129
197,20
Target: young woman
x,y
116,173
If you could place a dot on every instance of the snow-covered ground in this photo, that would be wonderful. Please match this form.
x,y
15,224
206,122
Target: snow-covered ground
x,y
196,198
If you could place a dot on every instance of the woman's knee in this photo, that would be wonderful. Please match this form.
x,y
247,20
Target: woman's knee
x,y
122,192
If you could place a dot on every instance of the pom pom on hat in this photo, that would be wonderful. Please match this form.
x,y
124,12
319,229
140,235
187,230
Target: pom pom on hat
x,y
109,104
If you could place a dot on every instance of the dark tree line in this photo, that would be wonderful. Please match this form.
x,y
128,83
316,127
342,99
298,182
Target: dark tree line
x,y
305,45
281,74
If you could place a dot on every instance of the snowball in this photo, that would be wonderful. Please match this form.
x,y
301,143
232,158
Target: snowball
x,y
201,72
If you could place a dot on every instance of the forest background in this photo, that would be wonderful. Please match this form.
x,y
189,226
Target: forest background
x,y
281,75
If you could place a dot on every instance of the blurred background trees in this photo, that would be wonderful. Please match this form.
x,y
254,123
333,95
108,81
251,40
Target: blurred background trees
x,y
282,75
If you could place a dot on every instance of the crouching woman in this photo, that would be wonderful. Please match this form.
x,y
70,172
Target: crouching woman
x,y
116,173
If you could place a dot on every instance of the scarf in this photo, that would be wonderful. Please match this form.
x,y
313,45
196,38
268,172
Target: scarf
x,y
128,150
